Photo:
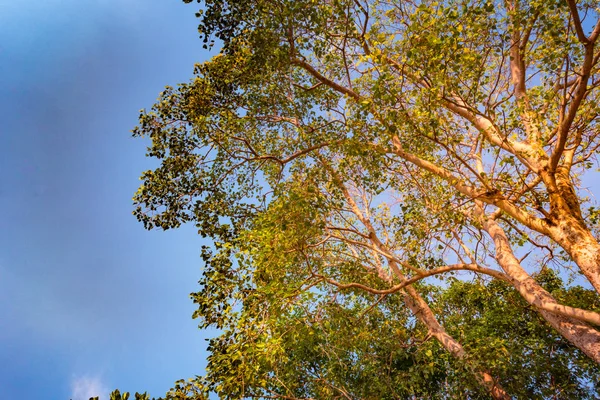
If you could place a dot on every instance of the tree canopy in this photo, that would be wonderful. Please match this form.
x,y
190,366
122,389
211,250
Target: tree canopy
x,y
393,190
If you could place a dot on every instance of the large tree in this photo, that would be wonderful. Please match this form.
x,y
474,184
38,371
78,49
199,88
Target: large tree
x,y
350,348
339,147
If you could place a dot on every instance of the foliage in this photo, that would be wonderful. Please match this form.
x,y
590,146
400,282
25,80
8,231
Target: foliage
x,y
346,348
182,391
340,152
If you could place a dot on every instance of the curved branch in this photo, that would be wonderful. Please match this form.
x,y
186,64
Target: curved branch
x,y
425,274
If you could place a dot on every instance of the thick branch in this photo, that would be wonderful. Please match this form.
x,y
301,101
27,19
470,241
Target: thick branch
x,y
568,321
577,22
525,152
335,86
483,124
525,218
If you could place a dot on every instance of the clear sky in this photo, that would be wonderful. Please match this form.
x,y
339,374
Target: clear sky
x,y
89,300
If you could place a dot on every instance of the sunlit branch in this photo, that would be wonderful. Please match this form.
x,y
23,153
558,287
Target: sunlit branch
x,y
425,274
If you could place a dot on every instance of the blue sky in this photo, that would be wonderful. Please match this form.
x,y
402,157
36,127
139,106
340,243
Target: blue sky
x,y
90,301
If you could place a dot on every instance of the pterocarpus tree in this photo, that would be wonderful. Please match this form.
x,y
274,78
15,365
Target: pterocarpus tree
x,y
340,152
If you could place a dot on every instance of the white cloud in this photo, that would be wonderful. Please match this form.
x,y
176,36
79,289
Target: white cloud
x,y
84,387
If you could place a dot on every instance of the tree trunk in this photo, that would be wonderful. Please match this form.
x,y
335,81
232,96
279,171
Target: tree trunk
x,y
575,238
580,334
568,228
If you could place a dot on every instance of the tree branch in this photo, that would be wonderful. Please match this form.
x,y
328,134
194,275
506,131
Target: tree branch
x,y
425,274
524,217
577,22
335,86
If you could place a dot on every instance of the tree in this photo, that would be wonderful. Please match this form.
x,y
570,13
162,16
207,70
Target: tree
x,y
343,146
352,349
182,390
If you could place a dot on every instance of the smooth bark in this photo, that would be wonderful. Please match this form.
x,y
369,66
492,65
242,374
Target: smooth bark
x,y
586,338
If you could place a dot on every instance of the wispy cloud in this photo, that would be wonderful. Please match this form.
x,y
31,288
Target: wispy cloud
x,y
84,387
